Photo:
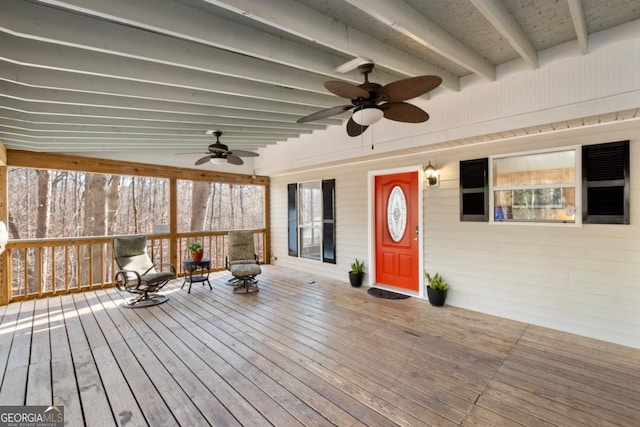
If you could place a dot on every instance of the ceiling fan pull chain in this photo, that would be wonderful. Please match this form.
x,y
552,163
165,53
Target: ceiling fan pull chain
x,y
372,139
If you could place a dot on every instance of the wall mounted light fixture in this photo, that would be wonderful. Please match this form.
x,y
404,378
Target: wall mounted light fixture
x,y
431,173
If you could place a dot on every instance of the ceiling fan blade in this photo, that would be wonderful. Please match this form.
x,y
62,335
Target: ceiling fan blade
x,y
355,129
234,160
404,112
202,160
345,90
404,89
242,153
323,114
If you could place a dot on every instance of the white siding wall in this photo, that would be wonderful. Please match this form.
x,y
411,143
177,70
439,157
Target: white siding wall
x,y
584,280
578,279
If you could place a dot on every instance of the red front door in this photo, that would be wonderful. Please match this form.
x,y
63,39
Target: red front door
x,y
396,230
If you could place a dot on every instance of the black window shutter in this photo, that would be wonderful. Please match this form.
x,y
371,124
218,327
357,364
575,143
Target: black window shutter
x,y
329,221
292,209
605,183
474,190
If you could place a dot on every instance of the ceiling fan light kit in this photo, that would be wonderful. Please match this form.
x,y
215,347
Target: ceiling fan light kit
x,y
367,116
373,101
218,160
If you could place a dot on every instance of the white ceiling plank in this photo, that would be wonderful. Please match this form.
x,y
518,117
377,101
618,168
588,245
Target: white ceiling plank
x,y
200,141
25,93
46,55
89,132
305,22
498,15
580,24
178,20
22,143
14,111
90,84
62,27
405,19
131,114
147,128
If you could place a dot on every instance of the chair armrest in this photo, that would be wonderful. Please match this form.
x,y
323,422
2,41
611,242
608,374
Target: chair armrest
x,y
167,264
121,280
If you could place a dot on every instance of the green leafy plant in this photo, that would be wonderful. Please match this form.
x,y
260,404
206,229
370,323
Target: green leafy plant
x,y
436,281
357,266
195,246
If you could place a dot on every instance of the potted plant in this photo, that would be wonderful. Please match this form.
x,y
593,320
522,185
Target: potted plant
x,y
436,289
356,273
196,250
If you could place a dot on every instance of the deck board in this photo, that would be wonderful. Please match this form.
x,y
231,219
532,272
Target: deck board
x,y
300,353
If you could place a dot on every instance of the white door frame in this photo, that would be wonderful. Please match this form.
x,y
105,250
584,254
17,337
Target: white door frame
x,y
371,180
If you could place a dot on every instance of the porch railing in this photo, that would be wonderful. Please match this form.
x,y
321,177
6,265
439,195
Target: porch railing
x,y
43,267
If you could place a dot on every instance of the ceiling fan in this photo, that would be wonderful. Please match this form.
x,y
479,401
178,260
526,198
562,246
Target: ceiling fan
x,y
219,153
372,101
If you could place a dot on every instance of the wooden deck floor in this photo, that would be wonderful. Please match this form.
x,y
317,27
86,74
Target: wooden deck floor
x,y
300,353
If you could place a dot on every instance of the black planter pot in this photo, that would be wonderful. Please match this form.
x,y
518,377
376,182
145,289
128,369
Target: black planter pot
x,y
355,279
436,296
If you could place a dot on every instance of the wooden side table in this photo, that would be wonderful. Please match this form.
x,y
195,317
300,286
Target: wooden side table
x,y
198,272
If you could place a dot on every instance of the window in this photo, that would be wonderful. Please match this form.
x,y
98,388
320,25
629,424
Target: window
x,y
311,220
292,213
543,187
538,187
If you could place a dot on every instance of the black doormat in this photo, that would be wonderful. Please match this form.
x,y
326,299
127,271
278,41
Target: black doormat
x,y
383,293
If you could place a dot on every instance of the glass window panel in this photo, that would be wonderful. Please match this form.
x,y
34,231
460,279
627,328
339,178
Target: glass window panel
x,y
540,204
310,242
310,203
310,217
556,167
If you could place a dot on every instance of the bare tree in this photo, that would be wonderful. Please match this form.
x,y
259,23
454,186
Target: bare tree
x,y
95,219
112,204
199,198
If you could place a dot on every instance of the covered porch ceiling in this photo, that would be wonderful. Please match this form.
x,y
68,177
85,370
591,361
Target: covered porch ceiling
x,y
150,77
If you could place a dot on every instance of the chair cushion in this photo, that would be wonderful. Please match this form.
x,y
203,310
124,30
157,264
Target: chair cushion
x,y
241,245
140,263
245,270
126,246
160,276
242,261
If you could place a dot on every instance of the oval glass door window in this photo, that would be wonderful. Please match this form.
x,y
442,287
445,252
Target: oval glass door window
x,y
397,214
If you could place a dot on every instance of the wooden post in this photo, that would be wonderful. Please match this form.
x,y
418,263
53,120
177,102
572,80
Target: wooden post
x,y
267,223
173,222
5,283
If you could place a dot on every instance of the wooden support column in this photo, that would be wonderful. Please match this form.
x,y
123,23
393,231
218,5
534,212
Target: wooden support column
x,y
5,282
173,221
